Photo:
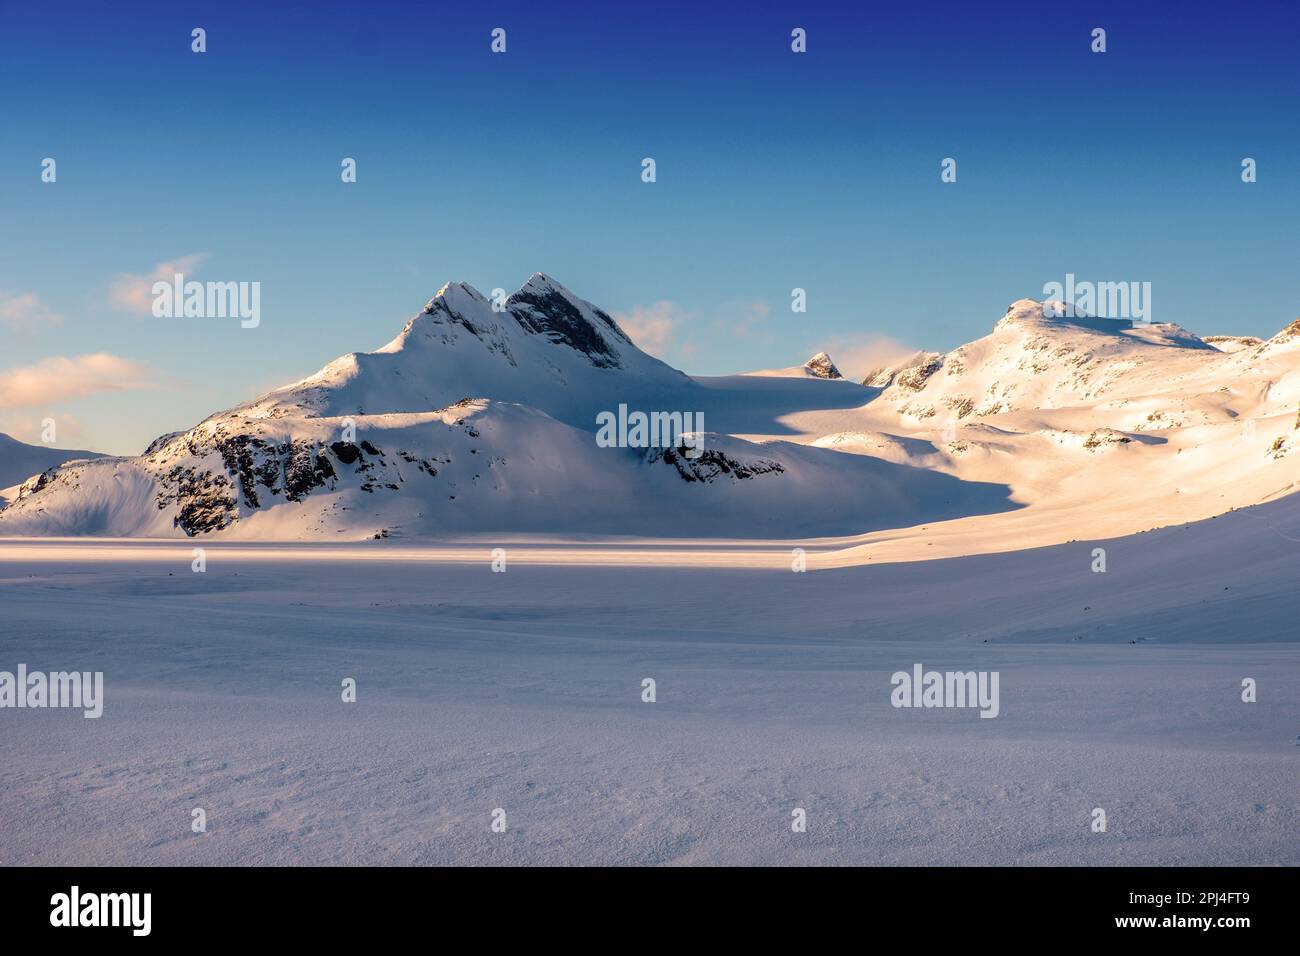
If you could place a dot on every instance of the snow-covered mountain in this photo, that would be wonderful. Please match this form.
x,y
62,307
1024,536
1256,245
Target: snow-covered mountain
x,y
542,346
1035,360
819,366
1098,427
19,461
480,417
477,418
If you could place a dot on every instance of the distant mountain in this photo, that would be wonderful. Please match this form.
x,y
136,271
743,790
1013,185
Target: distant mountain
x,y
542,346
19,461
819,366
1035,360
480,417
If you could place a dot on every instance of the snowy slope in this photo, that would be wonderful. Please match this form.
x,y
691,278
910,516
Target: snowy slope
x,y
523,691
547,349
819,366
1097,427
473,419
482,419
1031,360
20,461
921,498
478,466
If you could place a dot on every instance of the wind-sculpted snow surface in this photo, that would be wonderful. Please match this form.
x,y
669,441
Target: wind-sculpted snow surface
x,y
522,690
480,417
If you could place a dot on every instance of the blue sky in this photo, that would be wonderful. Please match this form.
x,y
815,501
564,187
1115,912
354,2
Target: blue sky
x,y
775,171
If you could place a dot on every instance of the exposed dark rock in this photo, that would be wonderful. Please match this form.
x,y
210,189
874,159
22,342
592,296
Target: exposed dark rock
x,y
545,311
712,464
345,451
822,366
913,379
307,469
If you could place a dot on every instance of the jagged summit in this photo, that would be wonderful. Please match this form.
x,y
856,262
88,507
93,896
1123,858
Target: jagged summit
x,y
543,347
821,366
539,283
541,307
883,376
451,294
544,307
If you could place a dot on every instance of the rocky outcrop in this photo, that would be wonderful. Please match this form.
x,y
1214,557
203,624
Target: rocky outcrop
x,y
710,464
821,366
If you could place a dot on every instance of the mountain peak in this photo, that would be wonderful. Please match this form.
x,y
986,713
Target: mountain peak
x,y
540,283
1056,318
544,307
821,366
1054,314
454,293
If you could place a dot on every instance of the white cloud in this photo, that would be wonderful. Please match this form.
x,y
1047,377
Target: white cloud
x,y
62,378
662,328
25,313
28,428
653,327
134,293
856,355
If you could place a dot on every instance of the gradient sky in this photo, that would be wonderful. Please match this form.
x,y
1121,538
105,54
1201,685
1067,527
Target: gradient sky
x,y
775,170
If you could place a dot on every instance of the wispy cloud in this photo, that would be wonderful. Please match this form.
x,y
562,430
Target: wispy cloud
x,y
30,429
744,320
61,378
665,327
24,313
654,328
856,355
134,293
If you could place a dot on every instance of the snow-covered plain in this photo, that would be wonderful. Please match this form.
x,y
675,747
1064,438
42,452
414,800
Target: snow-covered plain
x,y
522,690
